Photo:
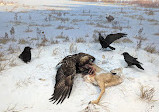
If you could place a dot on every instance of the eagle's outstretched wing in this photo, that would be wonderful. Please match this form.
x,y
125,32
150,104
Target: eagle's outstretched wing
x,y
65,75
112,37
64,81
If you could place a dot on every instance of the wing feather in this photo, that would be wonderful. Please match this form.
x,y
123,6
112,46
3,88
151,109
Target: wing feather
x,y
64,82
112,37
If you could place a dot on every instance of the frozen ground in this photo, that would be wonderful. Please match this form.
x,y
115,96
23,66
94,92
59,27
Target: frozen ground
x,y
27,87
71,27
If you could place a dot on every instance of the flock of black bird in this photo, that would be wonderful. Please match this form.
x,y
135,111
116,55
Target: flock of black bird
x,y
77,63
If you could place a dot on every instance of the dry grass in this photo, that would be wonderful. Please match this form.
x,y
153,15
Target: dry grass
x,y
95,38
90,23
40,25
146,93
13,109
150,13
60,27
101,31
61,36
66,39
80,40
125,40
61,19
77,20
10,109
151,49
2,57
43,42
64,27
157,34
39,52
11,49
12,63
54,42
4,40
23,41
28,30
23,83
101,26
73,48
152,20
2,66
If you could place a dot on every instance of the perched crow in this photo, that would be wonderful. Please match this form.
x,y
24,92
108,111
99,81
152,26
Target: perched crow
x,y
110,39
26,54
109,18
66,73
131,60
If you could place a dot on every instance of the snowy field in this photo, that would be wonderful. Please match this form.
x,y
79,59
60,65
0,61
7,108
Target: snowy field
x,y
57,29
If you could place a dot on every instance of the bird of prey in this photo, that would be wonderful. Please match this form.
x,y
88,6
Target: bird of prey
x,y
26,54
70,65
109,18
131,60
105,42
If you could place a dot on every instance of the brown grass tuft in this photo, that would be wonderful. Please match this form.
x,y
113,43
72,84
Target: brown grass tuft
x,y
151,49
43,42
80,40
2,67
150,13
125,40
12,63
73,48
23,41
147,94
4,40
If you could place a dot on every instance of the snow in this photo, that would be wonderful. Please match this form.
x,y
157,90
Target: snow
x,y
23,86
27,87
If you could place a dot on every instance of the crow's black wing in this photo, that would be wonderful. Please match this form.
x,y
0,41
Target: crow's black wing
x,y
112,37
64,81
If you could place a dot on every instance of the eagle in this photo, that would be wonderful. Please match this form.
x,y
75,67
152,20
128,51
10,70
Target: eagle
x,y
105,42
70,66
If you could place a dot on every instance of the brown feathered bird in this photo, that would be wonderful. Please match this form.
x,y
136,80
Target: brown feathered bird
x,y
70,65
109,18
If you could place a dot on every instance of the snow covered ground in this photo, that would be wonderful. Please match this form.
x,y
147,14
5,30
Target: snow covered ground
x,y
71,27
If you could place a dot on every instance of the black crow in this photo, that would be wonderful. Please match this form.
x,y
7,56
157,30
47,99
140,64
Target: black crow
x,y
110,39
66,73
26,54
109,18
131,60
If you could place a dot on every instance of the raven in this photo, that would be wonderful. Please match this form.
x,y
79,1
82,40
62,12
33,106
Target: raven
x,y
110,39
26,54
70,66
131,60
